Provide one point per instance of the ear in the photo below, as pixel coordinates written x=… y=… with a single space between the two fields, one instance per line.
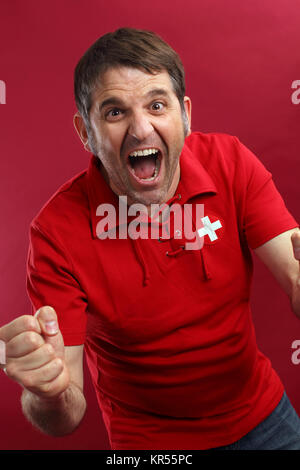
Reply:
x=81 y=131
x=188 y=109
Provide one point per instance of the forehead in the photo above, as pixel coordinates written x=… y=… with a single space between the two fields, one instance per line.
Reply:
x=132 y=83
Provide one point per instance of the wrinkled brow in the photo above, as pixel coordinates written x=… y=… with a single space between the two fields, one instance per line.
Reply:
x=114 y=101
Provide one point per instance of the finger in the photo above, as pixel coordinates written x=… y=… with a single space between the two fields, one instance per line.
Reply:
x=36 y=359
x=296 y=244
x=39 y=380
x=47 y=319
x=19 y=325
x=24 y=344
x=56 y=386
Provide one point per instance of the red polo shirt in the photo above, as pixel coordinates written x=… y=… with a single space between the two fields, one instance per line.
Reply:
x=168 y=332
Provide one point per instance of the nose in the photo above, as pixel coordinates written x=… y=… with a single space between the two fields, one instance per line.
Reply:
x=140 y=126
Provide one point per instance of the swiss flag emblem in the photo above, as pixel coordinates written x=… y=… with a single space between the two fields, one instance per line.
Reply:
x=211 y=228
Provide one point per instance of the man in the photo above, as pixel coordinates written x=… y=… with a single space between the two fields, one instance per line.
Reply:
x=165 y=323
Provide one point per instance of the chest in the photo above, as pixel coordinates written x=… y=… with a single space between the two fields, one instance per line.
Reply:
x=140 y=289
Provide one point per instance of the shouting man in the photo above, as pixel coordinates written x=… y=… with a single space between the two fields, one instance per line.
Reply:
x=163 y=315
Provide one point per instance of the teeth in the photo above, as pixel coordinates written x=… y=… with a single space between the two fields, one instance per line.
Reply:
x=141 y=153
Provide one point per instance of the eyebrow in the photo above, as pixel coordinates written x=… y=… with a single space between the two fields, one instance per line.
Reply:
x=110 y=101
x=157 y=91
x=113 y=100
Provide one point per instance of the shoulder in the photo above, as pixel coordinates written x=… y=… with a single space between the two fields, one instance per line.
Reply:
x=213 y=145
x=220 y=154
x=64 y=208
x=224 y=153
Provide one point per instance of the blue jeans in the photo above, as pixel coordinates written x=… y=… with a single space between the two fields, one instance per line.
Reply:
x=279 y=431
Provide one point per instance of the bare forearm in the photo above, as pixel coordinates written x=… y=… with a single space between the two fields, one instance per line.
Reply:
x=55 y=417
x=295 y=298
x=282 y=255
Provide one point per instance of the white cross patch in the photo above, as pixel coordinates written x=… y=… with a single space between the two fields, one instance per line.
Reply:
x=209 y=228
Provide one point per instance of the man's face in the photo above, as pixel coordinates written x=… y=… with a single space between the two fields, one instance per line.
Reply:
x=137 y=132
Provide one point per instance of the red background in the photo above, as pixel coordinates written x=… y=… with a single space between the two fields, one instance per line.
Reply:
x=241 y=59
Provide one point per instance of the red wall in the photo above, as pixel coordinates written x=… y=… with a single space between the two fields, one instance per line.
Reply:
x=241 y=61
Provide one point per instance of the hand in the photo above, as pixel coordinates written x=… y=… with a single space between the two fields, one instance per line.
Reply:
x=295 y=238
x=35 y=353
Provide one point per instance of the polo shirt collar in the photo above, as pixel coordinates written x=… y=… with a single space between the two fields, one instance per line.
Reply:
x=194 y=181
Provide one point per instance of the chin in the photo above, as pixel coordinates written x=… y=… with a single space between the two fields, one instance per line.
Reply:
x=143 y=199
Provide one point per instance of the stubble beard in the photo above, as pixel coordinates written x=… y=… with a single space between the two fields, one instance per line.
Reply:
x=146 y=197
x=160 y=195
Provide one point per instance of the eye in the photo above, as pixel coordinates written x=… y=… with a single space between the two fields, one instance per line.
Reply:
x=113 y=114
x=157 y=106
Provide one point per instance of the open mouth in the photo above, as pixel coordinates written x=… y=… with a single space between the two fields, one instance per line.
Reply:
x=145 y=164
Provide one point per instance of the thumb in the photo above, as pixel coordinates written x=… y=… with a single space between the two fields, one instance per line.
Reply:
x=48 y=322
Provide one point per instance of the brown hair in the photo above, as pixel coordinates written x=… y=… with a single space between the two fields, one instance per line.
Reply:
x=127 y=47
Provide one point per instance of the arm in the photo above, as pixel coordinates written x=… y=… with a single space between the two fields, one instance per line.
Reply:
x=282 y=255
x=60 y=415
x=50 y=373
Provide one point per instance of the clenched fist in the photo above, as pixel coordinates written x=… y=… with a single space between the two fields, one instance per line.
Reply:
x=35 y=353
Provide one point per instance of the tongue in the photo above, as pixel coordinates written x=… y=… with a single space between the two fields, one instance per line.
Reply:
x=144 y=167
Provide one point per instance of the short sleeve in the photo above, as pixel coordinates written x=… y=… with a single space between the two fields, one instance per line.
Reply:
x=50 y=281
x=264 y=213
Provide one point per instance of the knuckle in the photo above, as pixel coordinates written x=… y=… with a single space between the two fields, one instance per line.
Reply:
x=32 y=339
x=48 y=350
x=11 y=370
x=45 y=387
x=59 y=365
x=52 y=389
x=55 y=367
x=28 y=381
x=27 y=321
x=47 y=382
